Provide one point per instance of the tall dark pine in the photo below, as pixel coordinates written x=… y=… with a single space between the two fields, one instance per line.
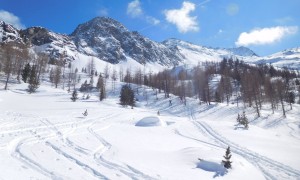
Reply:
x=74 y=95
x=227 y=162
x=33 y=80
x=127 y=96
x=101 y=87
x=26 y=72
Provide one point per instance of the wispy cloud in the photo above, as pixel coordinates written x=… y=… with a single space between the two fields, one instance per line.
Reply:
x=284 y=20
x=265 y=35
x=182 y=18
x=134 y=8
x=232 y=9
x=152 y=20
x=102 y=12
x=11 y=19
x=203 y=3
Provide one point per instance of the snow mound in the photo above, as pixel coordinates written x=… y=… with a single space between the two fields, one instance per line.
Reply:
x=150 y=121
x=210 y=166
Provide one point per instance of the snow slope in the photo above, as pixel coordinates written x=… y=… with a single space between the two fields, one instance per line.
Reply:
x=45 y=136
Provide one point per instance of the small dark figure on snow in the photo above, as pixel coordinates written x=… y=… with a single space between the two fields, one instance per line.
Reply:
x=85 y=113
x=158 y=113
x=170 y=102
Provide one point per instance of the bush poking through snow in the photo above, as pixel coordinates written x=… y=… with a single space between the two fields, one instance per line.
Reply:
x=227 y=156
x=85 y=113
x=243 y=120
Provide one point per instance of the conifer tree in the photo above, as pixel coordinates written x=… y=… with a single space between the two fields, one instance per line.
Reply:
x=26 y=72
x=101 y=87
x=227 y=156
x=127 y=96
x=238 y=119
x=244 y=120
x=57 y=76
x=33 y=80
x=74 y=95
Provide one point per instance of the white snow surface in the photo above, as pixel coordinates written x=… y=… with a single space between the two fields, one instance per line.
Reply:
x=45 y=136
x=150 y=121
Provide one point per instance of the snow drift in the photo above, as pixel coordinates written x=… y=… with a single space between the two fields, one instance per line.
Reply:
x=150 y=121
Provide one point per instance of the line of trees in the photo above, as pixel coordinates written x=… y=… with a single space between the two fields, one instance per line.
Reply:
x=230 y=81
x=15 y=60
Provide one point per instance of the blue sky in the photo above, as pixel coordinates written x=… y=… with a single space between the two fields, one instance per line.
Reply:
x=265 y=26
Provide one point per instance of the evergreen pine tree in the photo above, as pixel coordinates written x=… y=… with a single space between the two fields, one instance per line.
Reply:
x=227 y=156
x=74 y=95
x=244 y=120
x=26 y=72
x=127 y=96
x=238 y=119
x=33 y=80
x=101 y=87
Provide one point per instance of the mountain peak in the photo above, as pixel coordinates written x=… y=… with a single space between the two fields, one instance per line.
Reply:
x=8 y=32
x=110 y=41
x=242 y=51
x=99 y=25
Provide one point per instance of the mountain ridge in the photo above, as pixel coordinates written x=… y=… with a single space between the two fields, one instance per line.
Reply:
x=110 y=41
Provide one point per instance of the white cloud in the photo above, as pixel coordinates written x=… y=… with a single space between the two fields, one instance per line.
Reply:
x=152 y=20
x=232 y=9
x=102 y=12
x=181 y=17
x=265 y=35
x=134 y=8
x=11 y=19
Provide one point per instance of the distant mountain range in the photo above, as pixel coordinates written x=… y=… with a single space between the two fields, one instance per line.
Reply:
x=108 y=40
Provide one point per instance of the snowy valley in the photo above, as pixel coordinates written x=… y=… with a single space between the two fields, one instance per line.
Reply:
x=187 y=102
x=45 y=136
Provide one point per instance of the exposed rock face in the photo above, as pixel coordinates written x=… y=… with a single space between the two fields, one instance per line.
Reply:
x=36 y=35
x=111 y=41
x=8 y=33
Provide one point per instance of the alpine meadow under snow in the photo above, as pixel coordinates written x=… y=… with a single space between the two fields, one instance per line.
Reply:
x=45 y=136
x=107 y=103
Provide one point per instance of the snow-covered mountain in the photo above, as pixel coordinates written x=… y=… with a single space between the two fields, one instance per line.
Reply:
x=289 y=58
x=8 y=33
x=195 y=54
x=108 y=40
x=52 y=43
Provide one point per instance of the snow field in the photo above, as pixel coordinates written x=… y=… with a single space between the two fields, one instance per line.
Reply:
x=45 y=136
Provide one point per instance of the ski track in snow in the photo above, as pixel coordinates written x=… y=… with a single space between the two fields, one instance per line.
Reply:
x=282 y=171
x=98 y=156
x=78 y=162
x=15 y=148
x=58 y=131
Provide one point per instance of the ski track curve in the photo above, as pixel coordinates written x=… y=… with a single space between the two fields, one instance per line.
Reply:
x=131 y=172
x=78 y=162
x=17 y=154
x=40 y=138
x=258 y=160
